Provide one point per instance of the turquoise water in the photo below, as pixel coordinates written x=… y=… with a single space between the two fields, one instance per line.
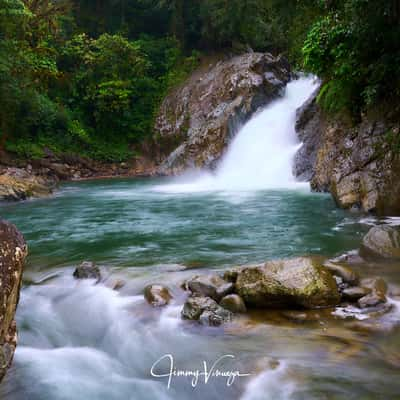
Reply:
x=84 y=341
x=134 y=223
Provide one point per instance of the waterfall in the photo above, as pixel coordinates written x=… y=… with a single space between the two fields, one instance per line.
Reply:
x=261 y=155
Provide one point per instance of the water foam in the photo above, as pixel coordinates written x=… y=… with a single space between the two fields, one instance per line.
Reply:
x=261 y=155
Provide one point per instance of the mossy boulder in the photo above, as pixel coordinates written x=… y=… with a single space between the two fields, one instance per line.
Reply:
x=298 y=282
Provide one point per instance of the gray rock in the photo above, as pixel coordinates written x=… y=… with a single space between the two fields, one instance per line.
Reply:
x=157 y=295
x=378 y=293
x=233 y=303
x=295 y=282
x=196 y=122
x=216 y=317
x=87 y=270
x=355 y=162
x=371 y=300
x=205 y=310
x=381 y=241
x=347 y=274
x=354 y=293
x=210 y=286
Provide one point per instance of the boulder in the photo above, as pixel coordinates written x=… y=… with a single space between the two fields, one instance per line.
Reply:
x=206 y=311
x=297 y=282
x=88 y=270
x=197 y=120
x=355 y=162
x=233 y=303
x=13 y=251
x=382 y=241
x=210 y=286
x=157 y=295
x=19 y=184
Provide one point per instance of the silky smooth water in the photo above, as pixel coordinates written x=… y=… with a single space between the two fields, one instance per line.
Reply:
x=79 y=340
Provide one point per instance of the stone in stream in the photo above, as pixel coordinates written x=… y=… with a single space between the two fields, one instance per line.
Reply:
x=157 y=295
x=347 y=274
x=13 y=251
x=382 y=241
x=205 y=310
x=233 y=303
x=354 y=293
x=377 y=295
x=210 y=286
x=88 y=270
x=297 y=282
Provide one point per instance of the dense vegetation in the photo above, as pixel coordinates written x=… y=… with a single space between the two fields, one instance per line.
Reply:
x=87 y=76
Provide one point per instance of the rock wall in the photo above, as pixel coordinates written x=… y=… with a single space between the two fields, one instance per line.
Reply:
x=355 y=162
x=13 y=251
x=197 y=121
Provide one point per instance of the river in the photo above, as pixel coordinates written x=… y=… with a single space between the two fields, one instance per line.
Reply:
x=82 y=340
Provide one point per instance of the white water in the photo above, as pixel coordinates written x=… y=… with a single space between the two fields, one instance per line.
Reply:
x=261 y=154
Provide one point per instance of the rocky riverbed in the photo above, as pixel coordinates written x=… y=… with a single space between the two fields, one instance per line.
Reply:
x=150 y=251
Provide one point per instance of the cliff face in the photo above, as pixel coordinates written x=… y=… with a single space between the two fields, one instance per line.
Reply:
x=357 y=163
x=13 y=251
x=198 y=119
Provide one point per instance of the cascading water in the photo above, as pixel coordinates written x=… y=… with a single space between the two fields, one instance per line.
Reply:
x=80 y=339
x=261 y=154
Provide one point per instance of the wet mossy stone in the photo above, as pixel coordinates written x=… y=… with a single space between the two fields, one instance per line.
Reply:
x=297 y=282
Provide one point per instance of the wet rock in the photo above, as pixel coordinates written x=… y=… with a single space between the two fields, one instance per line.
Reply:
x=216 y=317
x=19 y=184
x=206 y=311
x=354 y=162
x=354 y=293
x=197 y=121
x=351 y=257
x=308 y=127
x=157 y=295
x=210 y=286
x=233 y=303
x=88 y=270
x=13 y=251
x=378 y=293
x=381 y=241
x=371 y=300
x=118 y=284
x=295 y=282
x=347 y=274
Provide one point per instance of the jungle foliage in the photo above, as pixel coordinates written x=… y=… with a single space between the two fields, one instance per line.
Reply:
x=88 y=76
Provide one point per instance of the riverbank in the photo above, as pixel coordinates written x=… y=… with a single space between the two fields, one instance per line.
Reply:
x=21 y=179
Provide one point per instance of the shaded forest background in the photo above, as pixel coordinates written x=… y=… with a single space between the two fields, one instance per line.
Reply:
x=88 y=76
